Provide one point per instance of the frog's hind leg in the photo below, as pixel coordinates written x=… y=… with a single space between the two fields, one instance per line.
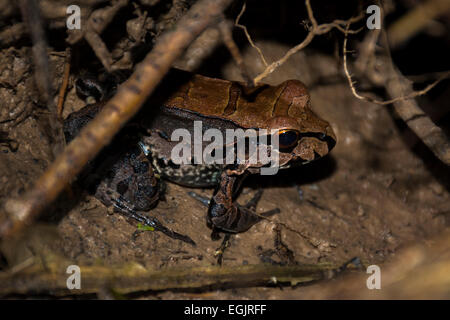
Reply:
x=121 y=206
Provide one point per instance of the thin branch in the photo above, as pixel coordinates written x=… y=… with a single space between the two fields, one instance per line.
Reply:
x=135 y=278
x=400 y=89
x=227 y=37
x=96 y=24
x=311 y=15
x=415 y=20
x=31 y=14
x=274 y=65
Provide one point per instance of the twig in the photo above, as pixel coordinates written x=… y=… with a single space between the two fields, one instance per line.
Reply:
x=225 y=30
x=30 y=12
x=125 y=104
x=400 y=89
x=62 y=90
x=135 y=278
x=416 y=20
x=315 y=30
x=31 y=15
x=97 y=22
x=12 y=34
x=249 y=38
x=419 y=271
x=427 y=76
x=430 y=134
x=412 y=95
x=312 y=241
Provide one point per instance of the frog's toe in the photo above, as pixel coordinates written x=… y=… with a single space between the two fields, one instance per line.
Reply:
x=203 y=200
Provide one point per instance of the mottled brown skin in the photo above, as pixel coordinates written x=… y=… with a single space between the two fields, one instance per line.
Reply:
x=183 y=98
x=286 y=106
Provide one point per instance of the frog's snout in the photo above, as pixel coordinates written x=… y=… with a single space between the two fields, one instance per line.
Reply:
x=329 y=138
x=327 y=142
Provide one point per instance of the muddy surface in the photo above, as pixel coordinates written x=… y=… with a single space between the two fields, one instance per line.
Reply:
x=378 y=190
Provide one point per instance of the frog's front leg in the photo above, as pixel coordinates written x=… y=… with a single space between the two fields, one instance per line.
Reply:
x=227 y=215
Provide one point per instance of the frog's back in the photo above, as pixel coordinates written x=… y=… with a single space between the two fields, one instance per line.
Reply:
x=234 y=101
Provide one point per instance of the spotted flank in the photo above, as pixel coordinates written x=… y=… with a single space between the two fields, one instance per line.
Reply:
x=190 y=175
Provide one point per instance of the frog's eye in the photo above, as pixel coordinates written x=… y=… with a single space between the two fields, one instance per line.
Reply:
x=288 y=138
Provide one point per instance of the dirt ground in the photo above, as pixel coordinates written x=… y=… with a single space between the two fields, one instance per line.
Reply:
x=379 y=190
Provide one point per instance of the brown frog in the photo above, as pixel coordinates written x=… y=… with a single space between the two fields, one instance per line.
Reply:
x=127 y=174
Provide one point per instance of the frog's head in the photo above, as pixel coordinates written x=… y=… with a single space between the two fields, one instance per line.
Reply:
x=299 y=144
x=302 y=135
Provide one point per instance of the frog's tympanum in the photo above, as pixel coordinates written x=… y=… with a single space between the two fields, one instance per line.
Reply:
x=127 y=174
